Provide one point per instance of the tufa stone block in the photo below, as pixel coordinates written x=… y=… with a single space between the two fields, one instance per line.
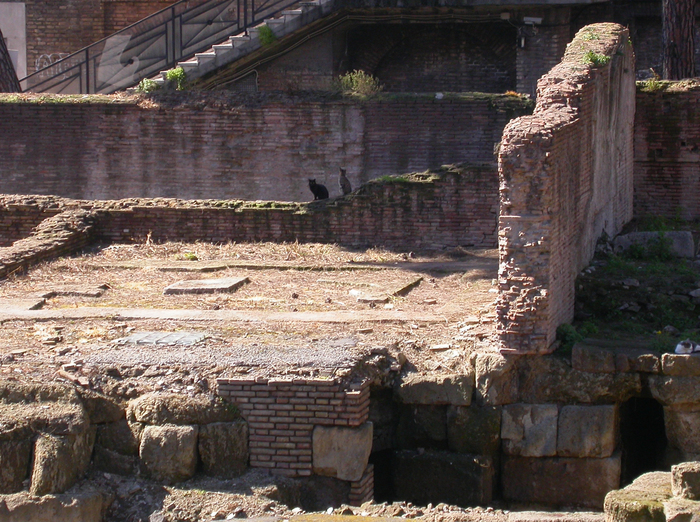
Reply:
x=640 y=501
x=496 y=379
x=342 y=453
x=587 y=431
x=120 y=437
x=684 y=365
x=686 y=480
x=529 y=430
x=59 y=461
x=169 y=453
x=455 y=389
x=683 y=427
x=592 y=359
x=171 y=408
x=223 y=448
x=474 y=429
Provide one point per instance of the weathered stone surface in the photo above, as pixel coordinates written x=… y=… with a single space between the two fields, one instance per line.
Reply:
x=674 y=364
x=14 y=464
x=206 y=286
x=681 y=510
x=496 y=379
x=474 y=429
x=587 y=431
x=421 y=426
x=683 y=427
x=88 y=505
x=680 y=243
x=100 y=408
x=592 y=359
x=674 y=389
x=641 y=501
x=416 y=388
x=113 y=462
x=120 y=437
x=560 y=481
x=170 y=408
x=59 y=461
x=686 y=480
x=551 y=379
x=169 y=453
x=437 y=476
x=342 y=453
x=530 y=430
x=223 y=448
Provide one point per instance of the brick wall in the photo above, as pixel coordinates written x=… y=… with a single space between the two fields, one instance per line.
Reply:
x=566 y=176
x=256 y=148
x=667 y=153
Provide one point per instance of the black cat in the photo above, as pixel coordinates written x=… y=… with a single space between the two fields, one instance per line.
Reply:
x=319 y=191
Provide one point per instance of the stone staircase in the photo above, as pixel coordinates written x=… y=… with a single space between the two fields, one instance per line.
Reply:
x=241 y=45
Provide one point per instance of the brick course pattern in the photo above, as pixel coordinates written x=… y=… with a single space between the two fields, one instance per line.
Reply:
x=254 y=148
x=666 y=154
x=282 y=413
x=566 y=177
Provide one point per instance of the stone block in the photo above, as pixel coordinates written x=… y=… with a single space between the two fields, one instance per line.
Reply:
x=529 y=430
x=100 y=408
x=685 y=365
x=641 y=501
x=169 y=453
x=440 y=476
x=206 y=286
x=551 y=379
x=686 y=480
x=496 y=379
x=119 y=437
x=560 y=481
x=474 y=429
x=455 y=389
x=57 y=418
x=674 y=389
x=223 y=448
x=110 y=461
x=682 y=510
x=342 y=453
x=15 y=456
x=170 y=408
x=683 y=427
x=59 y=461
x=587 y=431
x=679 y=243
x=421 y=426
x=87 y=505
x=592 y=359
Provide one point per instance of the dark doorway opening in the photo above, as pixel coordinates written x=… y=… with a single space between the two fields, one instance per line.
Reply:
x=643 y=438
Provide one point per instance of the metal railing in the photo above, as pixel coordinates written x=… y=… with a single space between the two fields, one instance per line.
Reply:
x=151 y=45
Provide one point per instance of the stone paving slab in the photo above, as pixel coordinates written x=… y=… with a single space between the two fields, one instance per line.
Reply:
x=384 y=296
x=74 y=291
x=21 y=304
x=206 y=286
x=166 y=338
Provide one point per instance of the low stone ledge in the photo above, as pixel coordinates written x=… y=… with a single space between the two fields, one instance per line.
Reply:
x=592 y=359
x=675 y=389
x=682 y=365
x=169 y=408
x=87 y=505
x=496 y=379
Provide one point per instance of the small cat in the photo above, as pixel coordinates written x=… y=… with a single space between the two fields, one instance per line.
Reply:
x=687 y=346
x=344 y=182
x=319 y=191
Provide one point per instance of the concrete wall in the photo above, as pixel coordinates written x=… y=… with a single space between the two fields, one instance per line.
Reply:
x=262 y=148
x=566 y=177
x=12 y=25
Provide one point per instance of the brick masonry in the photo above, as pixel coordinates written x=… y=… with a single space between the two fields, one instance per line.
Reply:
x=566 y=177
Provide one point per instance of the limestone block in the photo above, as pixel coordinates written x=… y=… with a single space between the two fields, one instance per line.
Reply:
x=681 y=510
x=86 y=505
x=675 y=364
x=421 y=426
x=686 y=480
x=342 y=453
x=683 y=427
x=59 y=461
x=440 y=476
x=680 y=243
x=560 y=481
x=100 y=408
x=496 y=379
x=119 y=437
x=223 y=448
x=640 y=501
x=587 y=431
x=674 y=389
x=551 y=379
x=530 y=430
x=415 y=388
x=592 y=359
x=110 y=461
x=169 y=453
x=170 y=408
x=474 y=429
x=14 y=463
x=57 y=418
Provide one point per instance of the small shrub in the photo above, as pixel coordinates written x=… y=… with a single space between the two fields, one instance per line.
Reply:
x=653 y=84
x=266 y=36
x=359 y=82
x=147 y=85
x=568 y=336
x=190 y=256
x=178 y=76
x=596 y=59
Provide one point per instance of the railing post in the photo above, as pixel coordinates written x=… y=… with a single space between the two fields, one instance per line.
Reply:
x=87 y=71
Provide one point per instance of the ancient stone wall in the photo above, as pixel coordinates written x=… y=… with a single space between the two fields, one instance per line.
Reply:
x=566 y=177
x=260 y=148
x=666 y=152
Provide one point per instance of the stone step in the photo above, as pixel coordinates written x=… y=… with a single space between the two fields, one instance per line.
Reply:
x=205 y=57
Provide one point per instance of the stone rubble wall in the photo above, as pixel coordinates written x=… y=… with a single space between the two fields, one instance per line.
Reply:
x=213 y=145
x=565 y=179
